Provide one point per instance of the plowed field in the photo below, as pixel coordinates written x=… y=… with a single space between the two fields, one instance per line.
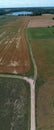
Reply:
x=41 y=21
x=14 y=54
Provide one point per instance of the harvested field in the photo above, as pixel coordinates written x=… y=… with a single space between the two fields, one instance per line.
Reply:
x=14 y=54
x=41 y=21
x=45 y=107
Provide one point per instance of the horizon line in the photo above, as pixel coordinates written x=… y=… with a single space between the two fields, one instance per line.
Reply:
x=30 y=7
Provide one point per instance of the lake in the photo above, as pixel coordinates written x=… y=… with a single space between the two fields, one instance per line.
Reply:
x=20 y=13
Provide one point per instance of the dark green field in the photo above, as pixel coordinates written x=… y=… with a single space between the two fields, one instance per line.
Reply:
x=14 y=104
x=42 y=43
x=40 y=33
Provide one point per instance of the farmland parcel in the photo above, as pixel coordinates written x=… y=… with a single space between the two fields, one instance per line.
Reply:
x=14 y=54
x=42 y=42
x=14 y=104
x=14 y=59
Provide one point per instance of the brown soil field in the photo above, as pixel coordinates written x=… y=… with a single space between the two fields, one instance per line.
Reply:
x=14 y=53
x=41 y=21
x=45 y=107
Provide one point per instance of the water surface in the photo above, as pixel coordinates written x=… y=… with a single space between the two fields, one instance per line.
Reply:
x=20 y=13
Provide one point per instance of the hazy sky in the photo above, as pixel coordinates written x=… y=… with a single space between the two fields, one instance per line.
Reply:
x=26 y=3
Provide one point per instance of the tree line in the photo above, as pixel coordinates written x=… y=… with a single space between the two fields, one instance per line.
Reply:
x=35 y=11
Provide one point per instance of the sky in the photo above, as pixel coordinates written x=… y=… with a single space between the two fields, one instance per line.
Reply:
x=26 y=3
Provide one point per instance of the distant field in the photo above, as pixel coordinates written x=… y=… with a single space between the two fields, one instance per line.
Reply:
x=42 y=43
x=14 y=54
x=44 y=20
x=14 y=104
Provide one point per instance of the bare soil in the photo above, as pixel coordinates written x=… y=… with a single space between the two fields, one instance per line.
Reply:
x=41 y=21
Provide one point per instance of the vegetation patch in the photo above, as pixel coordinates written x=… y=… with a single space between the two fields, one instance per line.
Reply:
x=31 y=71
x=40 y=33
x=14 y=104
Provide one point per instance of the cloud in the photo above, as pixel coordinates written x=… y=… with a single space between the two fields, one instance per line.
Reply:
x=21 y=3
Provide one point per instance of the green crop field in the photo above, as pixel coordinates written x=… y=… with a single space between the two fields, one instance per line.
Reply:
x=40 y=33
x=14 y=104
x=42 y=43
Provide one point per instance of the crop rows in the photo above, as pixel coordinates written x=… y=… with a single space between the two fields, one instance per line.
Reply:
x=14 y=55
